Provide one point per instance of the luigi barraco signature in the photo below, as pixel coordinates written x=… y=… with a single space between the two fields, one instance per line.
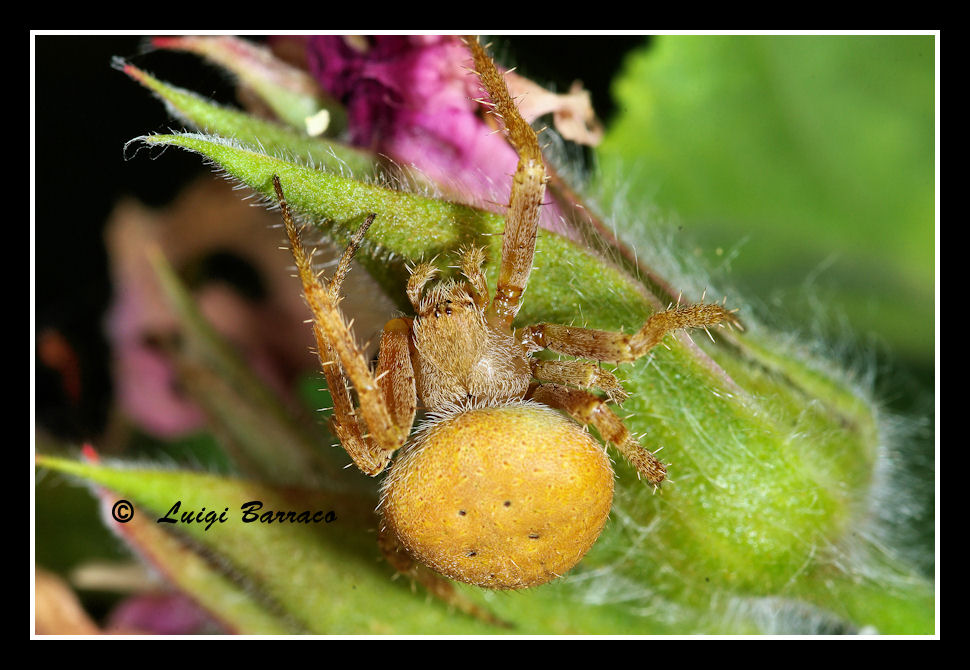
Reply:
x=251 y=513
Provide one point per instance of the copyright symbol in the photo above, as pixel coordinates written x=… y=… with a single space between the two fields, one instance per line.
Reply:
x=122 y=511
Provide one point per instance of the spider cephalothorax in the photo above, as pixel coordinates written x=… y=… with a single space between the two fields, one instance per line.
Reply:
x=463 y=356
x=501 y=486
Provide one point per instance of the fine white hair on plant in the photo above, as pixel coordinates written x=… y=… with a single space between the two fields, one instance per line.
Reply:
x=879 y=520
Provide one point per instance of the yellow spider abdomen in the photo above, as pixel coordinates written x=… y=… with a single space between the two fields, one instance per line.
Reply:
x=503 y=497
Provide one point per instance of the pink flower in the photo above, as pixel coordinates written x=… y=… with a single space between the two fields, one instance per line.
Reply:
x=413 y=99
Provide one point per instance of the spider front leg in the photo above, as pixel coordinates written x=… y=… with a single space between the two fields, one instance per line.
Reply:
x=387 y=399
x=395 y=379
x=528 y=189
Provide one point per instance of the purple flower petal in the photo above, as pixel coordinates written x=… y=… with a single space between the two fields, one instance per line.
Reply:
x=413 y=99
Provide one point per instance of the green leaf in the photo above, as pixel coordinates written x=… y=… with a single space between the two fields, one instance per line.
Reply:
x=271 y=137
x=806 y=161
x=411 y=227
x=268 y=578
x=292 y=94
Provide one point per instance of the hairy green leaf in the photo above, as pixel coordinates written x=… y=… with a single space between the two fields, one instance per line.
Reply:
x=271 y=137
x=292 y=94
x=268 y=577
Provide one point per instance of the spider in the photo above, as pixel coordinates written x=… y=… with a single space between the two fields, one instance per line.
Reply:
x=502 y=487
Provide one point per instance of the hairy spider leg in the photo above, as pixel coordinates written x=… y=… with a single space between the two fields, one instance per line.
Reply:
x=607 y=346
x=579 y=373
x=528 y=190
x=387 y=399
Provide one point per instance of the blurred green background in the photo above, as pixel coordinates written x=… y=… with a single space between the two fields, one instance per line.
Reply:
x=812 y=157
